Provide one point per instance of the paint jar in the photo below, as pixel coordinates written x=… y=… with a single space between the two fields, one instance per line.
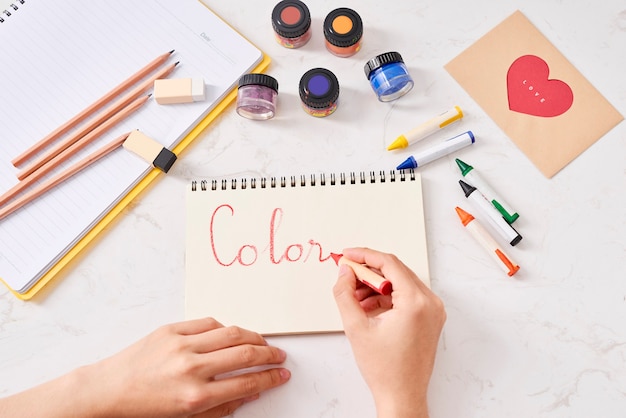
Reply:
x=388 y=76
x=319 y=92
x=256 y=96
x=343 y=30
x=291 y=21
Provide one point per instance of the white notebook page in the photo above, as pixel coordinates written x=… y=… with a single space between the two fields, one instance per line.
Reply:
x=259 y=257
x=58 y=58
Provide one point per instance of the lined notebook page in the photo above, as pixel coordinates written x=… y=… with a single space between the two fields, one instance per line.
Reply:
x=259 y=257
x=58 y=58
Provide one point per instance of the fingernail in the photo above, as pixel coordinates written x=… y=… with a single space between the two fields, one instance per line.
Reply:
x=285 y=374
x=283 y=354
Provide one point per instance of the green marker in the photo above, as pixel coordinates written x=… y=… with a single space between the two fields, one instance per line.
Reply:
x=474 y=178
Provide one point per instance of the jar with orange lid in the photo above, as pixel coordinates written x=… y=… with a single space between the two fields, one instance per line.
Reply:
x=343 y=30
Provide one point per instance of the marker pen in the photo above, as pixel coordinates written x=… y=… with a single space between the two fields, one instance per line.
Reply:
x=444 y=148
x=476 y=180
x=493 y=216
x=486 y=240
x=365 y=275
x=427 y=128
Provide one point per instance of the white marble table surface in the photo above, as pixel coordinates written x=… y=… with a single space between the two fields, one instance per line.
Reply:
x=549 y=343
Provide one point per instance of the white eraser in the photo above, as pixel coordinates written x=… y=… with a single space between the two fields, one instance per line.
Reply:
x=178 y=90
x=197 y=89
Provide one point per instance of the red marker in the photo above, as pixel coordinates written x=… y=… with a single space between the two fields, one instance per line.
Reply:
x=365 y=275
x=487 y=241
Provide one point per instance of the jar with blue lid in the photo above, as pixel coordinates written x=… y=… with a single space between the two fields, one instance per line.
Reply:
x=388 y=76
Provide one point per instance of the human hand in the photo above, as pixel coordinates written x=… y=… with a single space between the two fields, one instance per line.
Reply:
x=172 y=372
x=394 y=338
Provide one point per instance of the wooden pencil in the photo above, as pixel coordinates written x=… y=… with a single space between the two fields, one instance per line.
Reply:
x=61 y=177
x=73 y=149
x=99 y=119
x=54 y=135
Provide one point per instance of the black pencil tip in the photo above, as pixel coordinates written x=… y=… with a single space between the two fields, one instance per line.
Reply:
x=176 y=63
x=172 y=51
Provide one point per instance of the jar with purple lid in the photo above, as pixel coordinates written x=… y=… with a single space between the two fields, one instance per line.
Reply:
x=257 y=96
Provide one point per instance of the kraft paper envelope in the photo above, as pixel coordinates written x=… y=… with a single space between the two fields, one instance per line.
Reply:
x=534 y=94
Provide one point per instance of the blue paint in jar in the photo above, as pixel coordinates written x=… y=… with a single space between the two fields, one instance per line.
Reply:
x=388 y=76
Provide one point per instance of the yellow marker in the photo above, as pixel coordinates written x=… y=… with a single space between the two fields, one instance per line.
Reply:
x=427 y=128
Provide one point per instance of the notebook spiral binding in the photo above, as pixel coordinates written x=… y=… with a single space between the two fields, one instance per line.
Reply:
x=304 y=181
x=10 y=9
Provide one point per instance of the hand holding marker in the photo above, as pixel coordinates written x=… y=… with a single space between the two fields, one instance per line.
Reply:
x=365 y=275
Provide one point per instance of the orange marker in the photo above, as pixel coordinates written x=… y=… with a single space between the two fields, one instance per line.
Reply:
x=365 y=275
x=482 y=236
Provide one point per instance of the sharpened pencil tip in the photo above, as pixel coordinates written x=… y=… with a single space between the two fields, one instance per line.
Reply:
x=172 y=51
x=176 y=63
x=149 y=95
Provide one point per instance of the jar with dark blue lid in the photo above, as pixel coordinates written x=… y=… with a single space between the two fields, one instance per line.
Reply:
x=319 y=92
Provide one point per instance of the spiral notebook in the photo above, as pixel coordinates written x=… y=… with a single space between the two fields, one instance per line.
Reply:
x=258 y=250
x=8 y=7
x=58 y=58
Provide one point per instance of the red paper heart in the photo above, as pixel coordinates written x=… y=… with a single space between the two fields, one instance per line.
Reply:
x=531 y=92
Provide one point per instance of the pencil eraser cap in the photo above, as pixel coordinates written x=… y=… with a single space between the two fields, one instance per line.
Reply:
x=178 y=90
x=150 y=150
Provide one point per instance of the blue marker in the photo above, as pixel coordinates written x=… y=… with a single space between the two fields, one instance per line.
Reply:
x=446 y=147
